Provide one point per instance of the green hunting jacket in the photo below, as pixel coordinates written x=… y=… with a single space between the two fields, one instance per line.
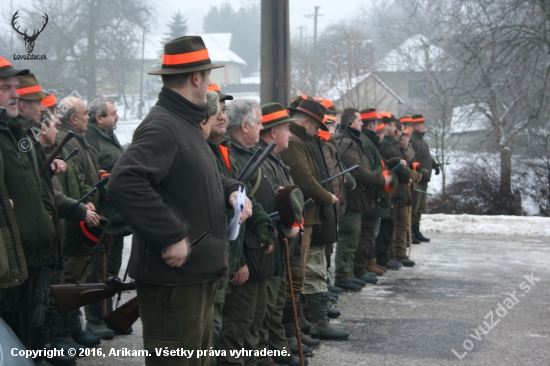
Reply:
x=106 y=149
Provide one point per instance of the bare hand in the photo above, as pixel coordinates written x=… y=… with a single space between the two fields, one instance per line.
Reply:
x=11 y=202
x=419 y=179
x=58 y=166
x=334 y=199
x=176 y=254
x=91 y=219
x=293 y=232
x=403 y=162
x=388 y=179
x=90 y=206
x=241 y=276
x=269 y=249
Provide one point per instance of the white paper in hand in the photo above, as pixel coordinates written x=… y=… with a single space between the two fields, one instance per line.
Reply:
x=233 y=228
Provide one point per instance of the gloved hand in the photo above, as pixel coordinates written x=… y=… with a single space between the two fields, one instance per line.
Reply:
x=436 y=168
x=267 y=233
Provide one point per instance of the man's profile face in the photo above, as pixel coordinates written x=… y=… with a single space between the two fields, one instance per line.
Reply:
x=109 y=122
x=9 y=95
x=356 y=123
x=419 y=127
x=312 y=127
x=33 y=109
x=204 y=83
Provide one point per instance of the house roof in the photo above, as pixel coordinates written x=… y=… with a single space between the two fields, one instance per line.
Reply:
x=469 y=118
x=344 y=86
x=412 y=55
x=217 y=44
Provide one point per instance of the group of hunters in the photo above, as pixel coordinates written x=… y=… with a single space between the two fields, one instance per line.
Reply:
x=357 y=178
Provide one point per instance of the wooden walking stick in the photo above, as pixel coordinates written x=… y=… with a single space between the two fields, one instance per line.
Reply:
x=294 y=309
x=410 y=231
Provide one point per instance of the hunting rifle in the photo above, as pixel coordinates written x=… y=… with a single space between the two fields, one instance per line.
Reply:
x=251 y=167
x=71 y=297
x=56 y=151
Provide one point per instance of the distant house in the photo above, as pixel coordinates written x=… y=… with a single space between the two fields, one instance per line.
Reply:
x=397 y=83
x=218 y=49
x=470 y=129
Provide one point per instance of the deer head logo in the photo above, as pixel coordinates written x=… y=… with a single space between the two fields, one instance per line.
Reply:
x=29 y=40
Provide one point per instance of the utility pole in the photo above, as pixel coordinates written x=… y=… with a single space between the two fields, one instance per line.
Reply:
x=141 y=103
x=275 y=52
x=301 y=28
x=315 y=26
x=314 y=49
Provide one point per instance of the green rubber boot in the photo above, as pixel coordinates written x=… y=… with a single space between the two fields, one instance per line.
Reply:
x=319 y=323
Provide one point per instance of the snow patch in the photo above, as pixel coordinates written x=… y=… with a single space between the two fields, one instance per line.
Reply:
x=486 y=225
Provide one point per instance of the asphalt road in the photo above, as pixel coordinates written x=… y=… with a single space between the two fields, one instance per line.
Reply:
x=419 y=315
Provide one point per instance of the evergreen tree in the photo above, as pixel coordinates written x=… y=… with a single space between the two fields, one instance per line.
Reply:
x=176 y=28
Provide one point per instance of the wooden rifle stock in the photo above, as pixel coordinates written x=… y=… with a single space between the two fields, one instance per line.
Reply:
x=71 y=297
x=54 y=153
x=122 y=318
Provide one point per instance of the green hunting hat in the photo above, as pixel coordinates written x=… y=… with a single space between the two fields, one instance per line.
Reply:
x=417 y=118
x=183 y=55
x=29 y=88
x=289 y=203
x=7 y=70
x=313 y=109
x=274 y=114
x=368 y=115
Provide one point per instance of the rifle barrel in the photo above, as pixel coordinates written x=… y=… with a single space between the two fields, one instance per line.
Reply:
x=56 y=151
x=339 y=174
x=247 y=166
x=253 y=167
x=344 y=153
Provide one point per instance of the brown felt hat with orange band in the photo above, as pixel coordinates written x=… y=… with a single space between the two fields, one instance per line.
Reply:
x=314 y=110
x=274 y=114
x=29 y=89
x=183 y=55
x=368 y=115
x=406 y=119
x=417 y=118
x=7 y=70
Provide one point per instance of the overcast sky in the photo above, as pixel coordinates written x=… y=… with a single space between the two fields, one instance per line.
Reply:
x=331 y=11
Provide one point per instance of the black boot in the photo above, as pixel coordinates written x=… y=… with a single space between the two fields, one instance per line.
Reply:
x=419 y=234
x=319 y=324
x=414 y=233
x=79 y=335
x=305 y=325
x=48 y=342
x=95 y=324
x=62 y=335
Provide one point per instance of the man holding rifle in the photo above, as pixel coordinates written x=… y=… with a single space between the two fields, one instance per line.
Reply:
x=359 y=200
x=167 y=187
x=32 y=214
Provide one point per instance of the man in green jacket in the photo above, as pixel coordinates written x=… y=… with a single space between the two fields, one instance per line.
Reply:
x=33 y=212
x=359 y=200
x=427 y=163
x=105 y=147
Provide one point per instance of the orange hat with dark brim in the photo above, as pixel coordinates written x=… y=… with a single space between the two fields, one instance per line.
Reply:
x=7 y=70
x=50 y=101
x=368 y=115
x=29 y=89
x=223 y=97
x=183 y=55
x=406 y=119
x=331 y=108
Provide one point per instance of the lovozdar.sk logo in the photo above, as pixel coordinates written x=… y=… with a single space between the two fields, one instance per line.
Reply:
x=28 y=39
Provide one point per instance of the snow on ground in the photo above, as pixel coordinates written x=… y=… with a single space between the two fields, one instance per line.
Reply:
x=125 y=130
x=487 y=225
